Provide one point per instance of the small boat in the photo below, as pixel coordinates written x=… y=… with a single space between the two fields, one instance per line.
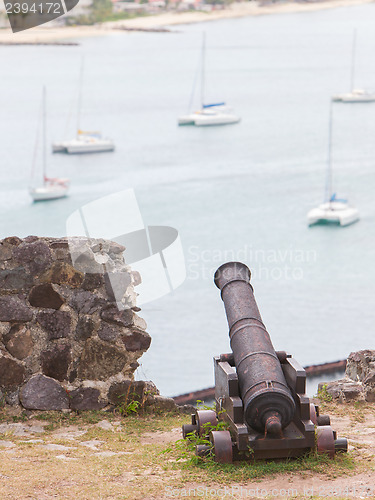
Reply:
x=209 y=114
x=334 y=210
x=52 y=188
x=355 y=94
x=84 y=142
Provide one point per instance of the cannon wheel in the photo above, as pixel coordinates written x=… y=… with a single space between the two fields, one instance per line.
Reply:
x=204 y=419
x=188 y=429
x=222 y=446
x=325 y=440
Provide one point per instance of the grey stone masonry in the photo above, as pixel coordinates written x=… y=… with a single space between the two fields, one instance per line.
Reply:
x=359 y=381
x=66 y=339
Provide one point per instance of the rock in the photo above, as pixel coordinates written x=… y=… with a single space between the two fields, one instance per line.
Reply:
x=59 y=244
x=92 y=281
x=85 y=262
x=130 y=390
x=136 y=340
x=105 y=425
x=85 y=328
x=360 y=364
x=15 y=280
x=86 y=398
x=5 y=252
x=36 y=256
x=136 y=278
x=55 y=447
x=56 y=323
x=108 y=333
x=62 y=273
x=12 y=373
x=6 y=444
x=12 y=240
x=19 y=341
x=12 y=398
x=111 y=314
x=55 y=361
x=43 y=393
x=86 y=302
x=45 y=296
x=369 y=394
x=343 y=390
x=14 y=309
x=100 y=361
x=161 y=403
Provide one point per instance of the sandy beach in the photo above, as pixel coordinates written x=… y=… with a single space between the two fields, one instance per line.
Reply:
x=47 y=35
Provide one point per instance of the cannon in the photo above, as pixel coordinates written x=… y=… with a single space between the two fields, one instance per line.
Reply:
x=259 y=393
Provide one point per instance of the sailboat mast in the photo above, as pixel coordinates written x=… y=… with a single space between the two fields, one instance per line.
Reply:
x=203 y=68
x=44 y=136
x=329 y=156
x=353 y=60
x=80 y=96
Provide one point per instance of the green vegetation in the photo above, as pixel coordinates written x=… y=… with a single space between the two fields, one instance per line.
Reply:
x=101 y=11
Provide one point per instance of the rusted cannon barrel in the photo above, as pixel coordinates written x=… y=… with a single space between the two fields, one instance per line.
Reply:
x=268 y=403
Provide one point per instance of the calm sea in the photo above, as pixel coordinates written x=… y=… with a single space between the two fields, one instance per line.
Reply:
x=236 y=192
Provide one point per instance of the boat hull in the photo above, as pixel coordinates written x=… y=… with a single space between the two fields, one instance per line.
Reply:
x=333 y=213
x=41 y=194
x=83 y=147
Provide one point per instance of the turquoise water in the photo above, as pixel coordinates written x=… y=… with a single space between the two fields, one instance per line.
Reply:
x=236 y=192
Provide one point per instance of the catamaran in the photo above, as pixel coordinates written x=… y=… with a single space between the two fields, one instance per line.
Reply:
x=52 y=188
x=355 y=95
x=209 y=114
x=334 y=210
x=84 y=142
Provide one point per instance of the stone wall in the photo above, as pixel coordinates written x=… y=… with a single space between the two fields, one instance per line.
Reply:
x=67 y=339
x=359 y=381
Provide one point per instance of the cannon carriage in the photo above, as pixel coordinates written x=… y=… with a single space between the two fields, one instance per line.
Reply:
x=259 y=393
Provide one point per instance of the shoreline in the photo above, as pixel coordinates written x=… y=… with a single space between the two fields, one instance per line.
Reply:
x=46 y=35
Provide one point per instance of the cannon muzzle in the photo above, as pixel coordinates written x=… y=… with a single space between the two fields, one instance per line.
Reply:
x=267 y=400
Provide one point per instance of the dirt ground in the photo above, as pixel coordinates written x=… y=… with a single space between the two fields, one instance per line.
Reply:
x=104 y=456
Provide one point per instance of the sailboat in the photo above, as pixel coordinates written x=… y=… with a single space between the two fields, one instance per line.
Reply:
x=52 y=188
x=334 y=210
x=84 y=142
x=209 y=114
x=355 y=95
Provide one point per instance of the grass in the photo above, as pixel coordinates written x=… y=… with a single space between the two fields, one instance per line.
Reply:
x=150 y=457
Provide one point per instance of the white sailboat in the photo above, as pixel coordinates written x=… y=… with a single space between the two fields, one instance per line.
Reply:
x=52 y=188
x=209 y=114
x=334 y=210
x=84 y=142
x=355 y=95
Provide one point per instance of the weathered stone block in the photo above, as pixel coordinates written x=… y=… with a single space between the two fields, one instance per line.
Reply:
x=112 y=314
x=56 y=323
x=100 y=361
x=5 y=252
x=86 y=398
x=12 y=373
x=92 y=281
x=45 y=296
x=62 y=273
x=86 y=302
x=360 y=364
x=56 y=361
x=136 y=340
x=36 y=256
x=343 y=390
x=43 y=393
x=14 y=309
x=108 y=333
x=131 y=390
x=116 y=285
x=16 y=279
x=85 y=328
x=19 y=342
